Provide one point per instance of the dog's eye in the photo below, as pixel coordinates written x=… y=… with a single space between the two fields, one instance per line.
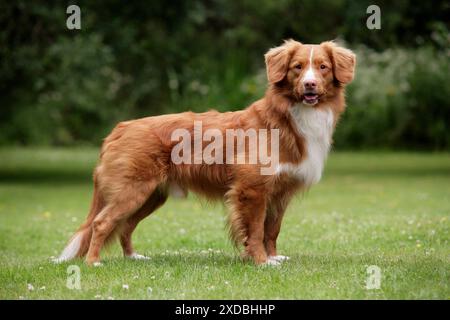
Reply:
x=299 y=66
x=322 y=66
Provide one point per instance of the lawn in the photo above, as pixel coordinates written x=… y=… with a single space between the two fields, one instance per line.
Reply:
x=390 y=210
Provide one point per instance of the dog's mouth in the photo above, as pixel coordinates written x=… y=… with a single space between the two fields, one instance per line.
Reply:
x=310 y=98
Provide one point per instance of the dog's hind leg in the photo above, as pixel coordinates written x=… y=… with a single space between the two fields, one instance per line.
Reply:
x=122 y=204
x=79 y=243
x=156 y=200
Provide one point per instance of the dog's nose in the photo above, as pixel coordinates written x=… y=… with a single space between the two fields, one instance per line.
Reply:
x=310 y=84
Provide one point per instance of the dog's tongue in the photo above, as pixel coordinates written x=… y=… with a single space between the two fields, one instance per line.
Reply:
x=310 y=97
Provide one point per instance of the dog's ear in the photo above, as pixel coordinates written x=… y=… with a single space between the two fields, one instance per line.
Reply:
x=277 y=60
x=344 y=62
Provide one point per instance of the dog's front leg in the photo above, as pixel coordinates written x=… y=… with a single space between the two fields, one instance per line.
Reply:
x=272 y=230
x=255 y=215
x=250 y=210
x=275 y=212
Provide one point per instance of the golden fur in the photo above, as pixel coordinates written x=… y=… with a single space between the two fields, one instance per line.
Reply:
x=135 y=171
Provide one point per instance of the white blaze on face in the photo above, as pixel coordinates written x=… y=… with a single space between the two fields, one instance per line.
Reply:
x=309 y=75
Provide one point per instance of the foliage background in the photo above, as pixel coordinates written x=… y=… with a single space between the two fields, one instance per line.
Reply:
x=133 y=59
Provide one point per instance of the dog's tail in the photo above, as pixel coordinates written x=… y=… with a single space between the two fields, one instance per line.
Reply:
x=79 y=243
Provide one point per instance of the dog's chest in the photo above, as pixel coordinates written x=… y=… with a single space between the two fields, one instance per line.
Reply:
x=316 y=127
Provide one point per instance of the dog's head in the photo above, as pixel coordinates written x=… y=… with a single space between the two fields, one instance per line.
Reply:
x=310 y=73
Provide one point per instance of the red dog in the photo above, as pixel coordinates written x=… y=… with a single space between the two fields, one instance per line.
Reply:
x=136 y=171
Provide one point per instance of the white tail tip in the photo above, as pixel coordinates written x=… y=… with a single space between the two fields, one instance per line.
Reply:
x=71 y=250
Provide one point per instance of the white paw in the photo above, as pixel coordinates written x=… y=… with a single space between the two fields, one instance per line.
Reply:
x=272 y=262
x=137 y=256
x=97 y=264
x=279 y=258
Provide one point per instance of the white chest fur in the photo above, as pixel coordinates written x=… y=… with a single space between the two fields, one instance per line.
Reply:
x=316 y=126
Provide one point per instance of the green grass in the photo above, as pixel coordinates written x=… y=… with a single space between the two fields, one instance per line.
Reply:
x=386 y=209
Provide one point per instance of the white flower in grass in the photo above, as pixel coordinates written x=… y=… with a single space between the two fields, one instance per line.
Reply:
x=149 y=290
x=42 y=288
x=227 y=283
x=30 y=287
x=136 y=277
x=153 y=277
x=125 y=287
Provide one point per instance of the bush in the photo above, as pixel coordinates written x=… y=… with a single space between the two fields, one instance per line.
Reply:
x=400 y=98
x=62 y=87
x=75 y=99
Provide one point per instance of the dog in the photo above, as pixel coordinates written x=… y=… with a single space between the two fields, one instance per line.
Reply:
x=136 y=173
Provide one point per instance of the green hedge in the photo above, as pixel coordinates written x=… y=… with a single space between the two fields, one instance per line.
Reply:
x=61 y=87
x=399 y=99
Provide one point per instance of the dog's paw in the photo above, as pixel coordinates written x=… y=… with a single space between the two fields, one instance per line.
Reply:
x=97 y=264
x=271 y=263
x=137 y=256
x=279 y=258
